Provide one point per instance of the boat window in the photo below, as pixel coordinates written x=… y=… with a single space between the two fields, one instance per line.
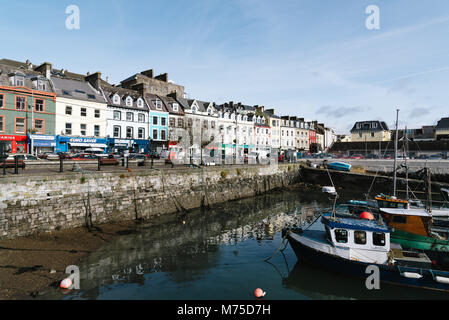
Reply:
x=399 y=219
x=341 y=236
x=379 y=238
x=360 y=237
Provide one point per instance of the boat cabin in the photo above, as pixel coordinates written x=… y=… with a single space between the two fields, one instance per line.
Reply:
x=416 y=221
x=384 y=201
x=358 y=239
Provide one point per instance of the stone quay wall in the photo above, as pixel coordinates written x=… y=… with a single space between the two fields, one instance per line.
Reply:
x=40 y=203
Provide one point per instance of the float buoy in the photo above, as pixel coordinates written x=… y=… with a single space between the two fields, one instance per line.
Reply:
x=66 y=283
x=259 y=293
x=366 y=215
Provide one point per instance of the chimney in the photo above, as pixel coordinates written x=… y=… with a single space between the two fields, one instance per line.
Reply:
x=45 y=69
x=29 y=65
x=231 y=103
x=148 y=73
x=94 y=79
x=173 y=95
x=107 y=79
x=88 y=73
x=162 y=77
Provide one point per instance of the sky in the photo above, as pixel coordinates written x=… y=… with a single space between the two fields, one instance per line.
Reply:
x=315 y=59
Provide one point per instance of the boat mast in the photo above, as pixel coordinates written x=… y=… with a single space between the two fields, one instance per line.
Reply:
x=406 y=168
x=395 y=153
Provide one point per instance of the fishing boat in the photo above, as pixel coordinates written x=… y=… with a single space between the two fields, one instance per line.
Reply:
x=350 y=245
x=340 y=166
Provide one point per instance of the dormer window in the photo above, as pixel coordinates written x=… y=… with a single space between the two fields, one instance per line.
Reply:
x=245 y=118
x=209 y=111
x=175 y=107
x=158 y=104
x=374 y=125
x=116 y=99
x=194 y=109
x=140 y=103
x=233 y=116
x=19 y=81
x=129 y=102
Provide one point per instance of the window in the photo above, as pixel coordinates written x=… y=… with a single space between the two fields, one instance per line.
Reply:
x=2 y=100
x=20 y=81
x=129 y=102
x=83 y=129
x=117 y=132
x=68 y=128
x=97 y=113
x=158 y=104
x=155 y=120
x=209 y=111
x=83 y=112
x=140 y=103
x=154 y=134
x=41 y=85
x=175 y=107
x=39 y=126
x=194 y=109
x=163 y=135
x=171 y=122
x=91 y=96
x=212 y=124
x=2 y=123
x=205 y=124
x=141 y=117
x=400 y=219
x=20 y=103
x=96 y=130
x=20 y=125
x=180 y=123
x=116 y=99
x=117 y=115
x=359 y=237
x=341 y=235
x=360 y=134
x=374 y=125
x=163 y=121
x=129 y=132
x=379 y=239
x=129 y=116
x=141 y=133
x=68 y=110
x=189 y=122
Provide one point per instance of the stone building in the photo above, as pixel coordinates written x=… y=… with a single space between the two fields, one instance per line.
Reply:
x=367 y=131
x=145 y=82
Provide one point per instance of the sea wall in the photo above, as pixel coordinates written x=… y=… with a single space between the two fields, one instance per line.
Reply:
x=39 y=203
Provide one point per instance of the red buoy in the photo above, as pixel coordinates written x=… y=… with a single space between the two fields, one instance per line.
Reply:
x=366 y=215
x=259 y=293
x=66 y=283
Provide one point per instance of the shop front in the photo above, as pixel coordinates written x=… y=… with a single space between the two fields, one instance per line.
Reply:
x=132 y=145
x=38 y=143
x=79 y=144
x=15 y=144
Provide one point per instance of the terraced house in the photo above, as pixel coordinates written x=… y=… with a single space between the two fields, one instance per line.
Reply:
x=27 y=108
x=158 y=114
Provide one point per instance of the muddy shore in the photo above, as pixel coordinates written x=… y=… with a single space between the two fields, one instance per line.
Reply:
x=31 y=264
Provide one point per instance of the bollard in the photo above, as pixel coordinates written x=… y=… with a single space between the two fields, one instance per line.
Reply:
x=152 y=159
x=123 y=161
x=127 y=162
x=16 y=165
x=99 y=164
x=4 y=166
x=61 y=168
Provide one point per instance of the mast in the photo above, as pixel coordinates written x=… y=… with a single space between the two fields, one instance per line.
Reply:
x=395 y=153
x=406 y=168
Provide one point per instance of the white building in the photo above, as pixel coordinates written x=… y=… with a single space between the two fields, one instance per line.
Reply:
x=80 y=109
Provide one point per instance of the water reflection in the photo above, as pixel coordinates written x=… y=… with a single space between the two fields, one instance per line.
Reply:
x=217 y=254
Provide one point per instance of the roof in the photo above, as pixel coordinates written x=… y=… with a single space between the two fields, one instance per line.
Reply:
x=75 y=89
x=407 y=212
x=169 y=101
x=149 y=97
x=354 y=224
x=381 y=126
x=443 y=124
x=109 y=92
x=29 y=75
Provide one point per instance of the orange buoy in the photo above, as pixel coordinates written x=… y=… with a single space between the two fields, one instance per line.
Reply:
x=366 y=215
x=66 y=283
x=259 y=293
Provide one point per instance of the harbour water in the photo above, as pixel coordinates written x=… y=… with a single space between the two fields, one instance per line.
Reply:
x=219 y=253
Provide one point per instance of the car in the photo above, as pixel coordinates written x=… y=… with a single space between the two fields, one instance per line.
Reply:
x=436 y=157
x=84 y=156
x=153 y=155
x=372 y=156
x=357 y=156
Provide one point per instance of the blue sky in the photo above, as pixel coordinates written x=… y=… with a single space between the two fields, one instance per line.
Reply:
x=310 y=58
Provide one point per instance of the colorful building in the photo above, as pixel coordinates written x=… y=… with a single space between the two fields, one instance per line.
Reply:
x=27 y=106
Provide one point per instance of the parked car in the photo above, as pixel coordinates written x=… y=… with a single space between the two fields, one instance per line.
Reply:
x=84 y=156
x=153 y=155
x=436 y=157
x=357 y=156
x=372 y=156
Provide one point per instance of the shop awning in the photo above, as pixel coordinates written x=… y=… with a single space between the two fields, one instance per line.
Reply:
x=88 y=145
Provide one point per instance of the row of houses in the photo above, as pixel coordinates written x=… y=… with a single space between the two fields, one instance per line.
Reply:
x=378 y=131
x=43 y=109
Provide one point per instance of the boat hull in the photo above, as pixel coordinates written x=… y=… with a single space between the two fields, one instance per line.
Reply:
x=387 y=274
